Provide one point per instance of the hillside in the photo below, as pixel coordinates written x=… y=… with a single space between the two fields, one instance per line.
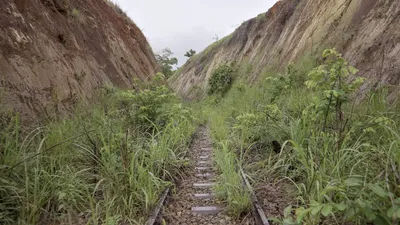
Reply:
x=283 y=136
x=54 y=53
x=367 y=32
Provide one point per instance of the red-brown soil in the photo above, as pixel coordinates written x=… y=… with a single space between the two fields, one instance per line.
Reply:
x=54 y=53
x=367 y=32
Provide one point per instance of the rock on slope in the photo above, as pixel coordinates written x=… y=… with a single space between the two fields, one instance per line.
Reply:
x=54 y=53
x=367 y=32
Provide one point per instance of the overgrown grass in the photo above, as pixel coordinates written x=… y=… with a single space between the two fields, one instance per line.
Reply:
x=229 y=186
x=107 y=164
x=341 y=155
x=215 y=45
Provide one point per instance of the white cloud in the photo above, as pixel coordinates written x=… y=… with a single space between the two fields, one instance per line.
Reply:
x=185 y=24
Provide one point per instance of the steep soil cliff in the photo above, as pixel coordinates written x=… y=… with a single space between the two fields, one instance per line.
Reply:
x=54 y=53
x=367 y=32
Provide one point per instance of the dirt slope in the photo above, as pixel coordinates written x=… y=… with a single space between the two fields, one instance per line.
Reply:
x=367 y=32
x=54 y=53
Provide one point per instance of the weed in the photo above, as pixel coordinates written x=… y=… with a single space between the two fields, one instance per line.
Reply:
x=108 y=164
x=229 y=186
x=341 y=156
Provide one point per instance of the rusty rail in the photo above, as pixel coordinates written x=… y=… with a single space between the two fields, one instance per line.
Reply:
x=260 y=217
x=153 y=217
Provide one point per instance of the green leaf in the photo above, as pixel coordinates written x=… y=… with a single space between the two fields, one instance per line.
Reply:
x=353 y=70
x=301 y=213
x=378 y=190
x=288 y=222
x=369 y=214
x=398 y=213
x=60 y=207
x=316 y=210
x=349 y=214
x=287 y=211
x=328 y=52
x=361 y=203
x=340 y=60
x=353 y=182
x=310 y=84
x=61 y=195
x=359 y=80
x=340 y=206
x=390 y=212
x=326 y=210
x=379 y=220
x=314 y=203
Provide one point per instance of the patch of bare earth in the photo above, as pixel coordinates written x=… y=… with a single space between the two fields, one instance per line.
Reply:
x=273 y=194
x=274 y=198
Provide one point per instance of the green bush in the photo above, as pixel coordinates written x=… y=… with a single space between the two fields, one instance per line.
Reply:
x=109 y=162
x=340 y=153
x=260 y=127
x=221 y=80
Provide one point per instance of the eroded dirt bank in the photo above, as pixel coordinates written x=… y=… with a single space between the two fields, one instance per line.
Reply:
x=54 y=53
x=367 y=32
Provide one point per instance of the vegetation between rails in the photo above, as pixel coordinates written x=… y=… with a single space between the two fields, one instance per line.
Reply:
x=229 y=183
x=107 y=164
x=305 y=126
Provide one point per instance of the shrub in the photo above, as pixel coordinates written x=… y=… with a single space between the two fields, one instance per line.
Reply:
x=261 y=127
x=341 y=155
x=153 y=107
x=221 y=80
x=100 y=162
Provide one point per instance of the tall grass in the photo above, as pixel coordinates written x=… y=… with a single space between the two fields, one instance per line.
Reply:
x=230 y=184
x=354 y=182
x=106 y=164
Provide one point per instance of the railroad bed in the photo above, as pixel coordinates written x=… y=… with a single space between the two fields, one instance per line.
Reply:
x=193 y=201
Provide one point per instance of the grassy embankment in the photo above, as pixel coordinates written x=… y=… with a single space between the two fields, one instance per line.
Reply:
x=338 y=146
x=106 y=164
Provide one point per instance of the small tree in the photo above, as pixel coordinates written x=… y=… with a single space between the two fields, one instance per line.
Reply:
x=166 y=62
x=190 y=53
x=331 y=81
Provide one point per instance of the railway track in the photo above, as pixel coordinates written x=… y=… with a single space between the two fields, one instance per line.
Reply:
x=193 y=202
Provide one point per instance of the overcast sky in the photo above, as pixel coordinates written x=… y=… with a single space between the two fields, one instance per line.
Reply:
x=185 y=24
